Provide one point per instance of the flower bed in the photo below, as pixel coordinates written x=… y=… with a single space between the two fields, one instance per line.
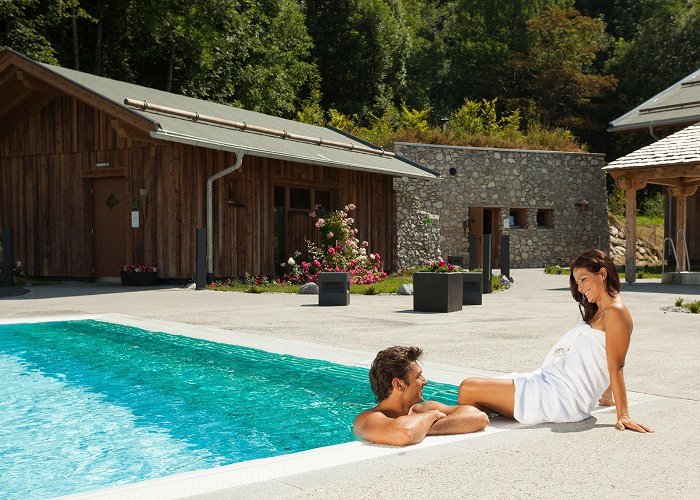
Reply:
x=138 y=275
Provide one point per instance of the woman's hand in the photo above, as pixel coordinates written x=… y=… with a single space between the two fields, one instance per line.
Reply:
x=627 y=423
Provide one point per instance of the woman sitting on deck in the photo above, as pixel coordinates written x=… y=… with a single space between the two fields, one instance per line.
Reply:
x=584 y=368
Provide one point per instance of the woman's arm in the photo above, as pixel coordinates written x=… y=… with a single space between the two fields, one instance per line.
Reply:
x=618 y=332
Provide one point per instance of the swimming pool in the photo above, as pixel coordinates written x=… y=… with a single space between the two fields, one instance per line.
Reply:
x=89 y=404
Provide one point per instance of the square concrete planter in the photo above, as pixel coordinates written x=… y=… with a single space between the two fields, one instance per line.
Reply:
x=437 y=292
x=334 y=289
x=471 y=289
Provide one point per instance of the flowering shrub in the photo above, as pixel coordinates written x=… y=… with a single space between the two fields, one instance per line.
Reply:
x=138 y=268
x=339 y=251
x=439 y=266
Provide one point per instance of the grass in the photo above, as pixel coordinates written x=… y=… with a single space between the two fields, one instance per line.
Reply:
x=693 y=307
x=390 y=285
x=642 y=273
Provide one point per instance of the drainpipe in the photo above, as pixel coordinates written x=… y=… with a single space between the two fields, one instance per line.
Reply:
x=652 y=133
x=210 y=212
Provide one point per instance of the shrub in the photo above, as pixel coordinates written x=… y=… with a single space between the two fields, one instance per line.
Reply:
x=679 y=301
x=694 y=307
x=339 y=251
x=555 y=269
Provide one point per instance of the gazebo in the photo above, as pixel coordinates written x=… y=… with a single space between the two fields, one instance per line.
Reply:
x=674 y=162
x=672 y=118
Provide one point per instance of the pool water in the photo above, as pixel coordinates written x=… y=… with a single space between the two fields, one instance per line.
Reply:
x=88 y=404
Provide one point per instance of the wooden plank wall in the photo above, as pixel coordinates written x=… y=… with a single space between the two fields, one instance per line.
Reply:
x=46 y=167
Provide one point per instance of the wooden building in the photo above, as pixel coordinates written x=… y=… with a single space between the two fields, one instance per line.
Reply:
x=89 y=183
x=672 y=118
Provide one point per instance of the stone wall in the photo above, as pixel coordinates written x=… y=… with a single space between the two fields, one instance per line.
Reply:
x=565 y=191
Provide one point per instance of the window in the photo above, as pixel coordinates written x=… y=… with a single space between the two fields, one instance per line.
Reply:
x=300 y=198
x=518 y=217
x=544 y=218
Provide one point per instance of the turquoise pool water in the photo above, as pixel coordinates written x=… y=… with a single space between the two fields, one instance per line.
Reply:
x=87 y=404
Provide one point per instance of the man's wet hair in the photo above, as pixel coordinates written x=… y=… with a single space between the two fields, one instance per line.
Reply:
x=392 y=362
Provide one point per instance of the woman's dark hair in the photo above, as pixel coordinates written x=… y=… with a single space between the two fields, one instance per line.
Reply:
x=593 y=260
x=393 y=362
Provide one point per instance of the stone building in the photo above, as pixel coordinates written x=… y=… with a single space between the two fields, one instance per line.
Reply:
x=553 y=205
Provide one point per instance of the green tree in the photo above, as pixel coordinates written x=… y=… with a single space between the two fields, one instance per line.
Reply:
x=559 y=71
x=361 y=47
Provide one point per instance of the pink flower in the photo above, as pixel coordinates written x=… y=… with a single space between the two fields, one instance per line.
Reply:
x=312 y=214
x=319 y=222
x=365 y=244
x=376 y=256
x=305 y=265
x=330 y=234
x=316 y=263
x=351 y=206
x=331 y=250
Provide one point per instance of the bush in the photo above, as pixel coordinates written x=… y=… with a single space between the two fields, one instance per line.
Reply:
x=679 y=301
x=340 y=251
x=555 y=269
x=694 y=307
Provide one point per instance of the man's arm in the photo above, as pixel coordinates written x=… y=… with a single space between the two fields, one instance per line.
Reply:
x=373 y=425
x=460 y=419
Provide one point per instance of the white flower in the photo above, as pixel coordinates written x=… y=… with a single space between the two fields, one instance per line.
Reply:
x=297 y=253
x=291 y=261
x=282 y=264
x=371 y=256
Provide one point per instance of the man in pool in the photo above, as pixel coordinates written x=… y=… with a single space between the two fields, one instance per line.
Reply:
x=402 y=417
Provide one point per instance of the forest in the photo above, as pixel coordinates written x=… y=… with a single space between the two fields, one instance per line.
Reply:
x=555 y=70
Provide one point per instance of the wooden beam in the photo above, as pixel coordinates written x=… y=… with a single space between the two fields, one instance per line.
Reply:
x=126 y=131
x=66 y=86
x=22 y=110
x=630 y=235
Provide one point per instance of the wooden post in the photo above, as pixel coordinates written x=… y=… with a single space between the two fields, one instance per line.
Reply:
x=630 y=235
x=681 y=193
x=681 y=204
x=631 y=185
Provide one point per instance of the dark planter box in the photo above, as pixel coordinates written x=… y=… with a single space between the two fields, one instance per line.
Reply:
x=139 y=279
x=437 y=292
x=334 y=289
x=471 y=289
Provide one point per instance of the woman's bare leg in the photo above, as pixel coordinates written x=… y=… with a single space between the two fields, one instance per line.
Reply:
x=486 y=394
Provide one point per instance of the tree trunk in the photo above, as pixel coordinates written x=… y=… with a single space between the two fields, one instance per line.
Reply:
x=98 y=38
x=171 y=65
x=76 y=48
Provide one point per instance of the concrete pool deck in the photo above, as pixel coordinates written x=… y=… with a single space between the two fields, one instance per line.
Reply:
x=511 y=331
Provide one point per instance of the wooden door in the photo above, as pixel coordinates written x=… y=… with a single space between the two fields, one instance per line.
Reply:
x=109 y=218
x=476 y=228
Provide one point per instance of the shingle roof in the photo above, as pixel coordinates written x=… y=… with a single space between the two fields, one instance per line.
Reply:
x=679 y=149
x=678 y=105
x=183 y=130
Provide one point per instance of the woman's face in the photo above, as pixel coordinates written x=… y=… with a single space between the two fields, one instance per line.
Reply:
x=591 y=284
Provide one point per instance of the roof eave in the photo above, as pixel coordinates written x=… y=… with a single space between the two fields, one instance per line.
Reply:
x=277 y=155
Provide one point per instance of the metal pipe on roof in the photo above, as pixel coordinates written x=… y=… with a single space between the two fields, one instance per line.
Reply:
x=210 y=212
x=283 y=134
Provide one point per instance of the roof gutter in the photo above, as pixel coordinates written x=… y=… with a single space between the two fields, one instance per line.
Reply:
x=210 y=211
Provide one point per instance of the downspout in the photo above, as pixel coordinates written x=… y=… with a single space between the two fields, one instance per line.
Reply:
x=652 y=133
x=210 y=211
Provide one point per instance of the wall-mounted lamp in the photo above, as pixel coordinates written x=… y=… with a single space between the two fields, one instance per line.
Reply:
x=102 y=164
x=582 y=204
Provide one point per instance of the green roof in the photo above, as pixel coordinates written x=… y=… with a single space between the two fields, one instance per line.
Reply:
x=172 y=128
